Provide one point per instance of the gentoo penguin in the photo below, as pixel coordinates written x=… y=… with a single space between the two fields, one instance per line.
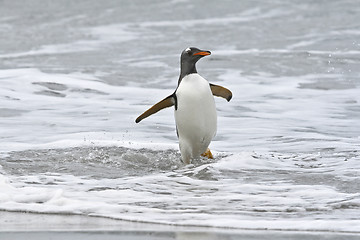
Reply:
x=195 y=111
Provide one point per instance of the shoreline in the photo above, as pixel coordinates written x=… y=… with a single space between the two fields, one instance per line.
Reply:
x=20 y=225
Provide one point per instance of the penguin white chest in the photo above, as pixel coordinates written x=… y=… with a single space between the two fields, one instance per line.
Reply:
x=195 y=117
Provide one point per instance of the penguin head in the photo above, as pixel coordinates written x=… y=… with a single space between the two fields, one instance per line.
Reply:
x=192 y=55
x=189 y=57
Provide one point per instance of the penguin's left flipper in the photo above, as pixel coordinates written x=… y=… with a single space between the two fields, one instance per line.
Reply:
x=220 y=91
x=166 y=102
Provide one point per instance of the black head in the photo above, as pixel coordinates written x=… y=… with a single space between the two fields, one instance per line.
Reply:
x=189 y=57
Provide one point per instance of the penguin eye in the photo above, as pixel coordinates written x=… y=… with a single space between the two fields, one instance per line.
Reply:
x=188 y=51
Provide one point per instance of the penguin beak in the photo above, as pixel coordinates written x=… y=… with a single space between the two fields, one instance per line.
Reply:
x=203 y=53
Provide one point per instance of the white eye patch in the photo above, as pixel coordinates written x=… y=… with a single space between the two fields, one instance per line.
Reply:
x=187 y=50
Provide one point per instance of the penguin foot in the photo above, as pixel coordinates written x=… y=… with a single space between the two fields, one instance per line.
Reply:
x=207 y=154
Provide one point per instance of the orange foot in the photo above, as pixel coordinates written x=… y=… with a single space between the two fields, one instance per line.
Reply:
x=207 y=154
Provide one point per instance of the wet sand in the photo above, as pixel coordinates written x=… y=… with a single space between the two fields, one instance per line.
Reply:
x=31 y=226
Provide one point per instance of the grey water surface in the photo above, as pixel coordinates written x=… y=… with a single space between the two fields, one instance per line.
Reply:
x=74 y=75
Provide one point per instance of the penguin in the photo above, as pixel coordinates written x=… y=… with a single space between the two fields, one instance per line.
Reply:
x=195 y=110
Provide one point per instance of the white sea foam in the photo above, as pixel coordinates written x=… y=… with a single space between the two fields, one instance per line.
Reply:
x=220 y=194
x=98 y=37
x=86 y=101
x=174 y=198
x=246 y=16
x=148 y=64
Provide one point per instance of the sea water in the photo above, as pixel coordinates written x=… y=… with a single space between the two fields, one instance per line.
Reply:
x=74 y=75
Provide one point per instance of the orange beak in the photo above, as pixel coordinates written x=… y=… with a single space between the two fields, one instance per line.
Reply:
x=203 y=53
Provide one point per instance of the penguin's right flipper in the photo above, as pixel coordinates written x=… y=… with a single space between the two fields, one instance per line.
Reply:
x=166 y=102
x=220 y=91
